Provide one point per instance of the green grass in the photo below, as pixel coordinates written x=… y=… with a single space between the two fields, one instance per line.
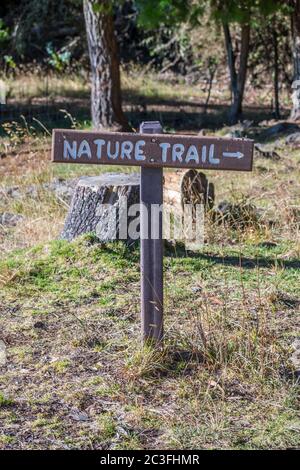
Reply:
x=5 y=401
x=69 y=271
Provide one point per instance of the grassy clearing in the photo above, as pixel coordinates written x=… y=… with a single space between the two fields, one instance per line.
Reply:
x=77 y=376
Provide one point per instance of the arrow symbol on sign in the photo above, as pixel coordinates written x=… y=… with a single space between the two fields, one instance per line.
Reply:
x=233 y=154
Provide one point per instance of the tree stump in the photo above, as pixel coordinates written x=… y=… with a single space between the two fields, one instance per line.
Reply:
x=96 y=207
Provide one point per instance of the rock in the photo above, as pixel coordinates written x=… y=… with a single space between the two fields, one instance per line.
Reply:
x=11 y=191
x=187 y=187
x=284 y=300
x=282 y=128
x=296 y=344
x=10 y=220
x=3 y=357
x=239 y=130
x=63 y=189
x=79 y=416
x=196 y=289
x=295 y=360
x=294 y=427
x=293 y=139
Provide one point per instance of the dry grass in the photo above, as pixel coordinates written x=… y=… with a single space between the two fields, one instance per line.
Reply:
x=31 y=87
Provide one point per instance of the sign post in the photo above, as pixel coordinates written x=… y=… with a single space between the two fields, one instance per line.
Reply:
x=152 y=151
x=151 y=246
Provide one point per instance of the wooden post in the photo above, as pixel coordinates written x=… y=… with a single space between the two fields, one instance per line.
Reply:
x=151 y=247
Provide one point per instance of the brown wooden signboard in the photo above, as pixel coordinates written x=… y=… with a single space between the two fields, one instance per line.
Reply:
x=156 y=150
x=152 y=151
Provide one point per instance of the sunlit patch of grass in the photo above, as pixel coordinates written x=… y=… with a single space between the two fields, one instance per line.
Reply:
x=49 y=424
x=6 y=440
x=279 y=432
x=109 y=390
x=131 y=441
x=60 y=366
x=5 y=401
x=146 y=361
x=107 y=426
x=31 y=86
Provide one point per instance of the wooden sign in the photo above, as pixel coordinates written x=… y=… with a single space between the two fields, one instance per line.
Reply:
x=155 y=150
x=152 y=151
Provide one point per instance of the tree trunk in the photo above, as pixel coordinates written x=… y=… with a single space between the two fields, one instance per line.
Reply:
x=276 y=75
x=295 y=114
x=237 y=78
x=106 y=100
x=100 y=204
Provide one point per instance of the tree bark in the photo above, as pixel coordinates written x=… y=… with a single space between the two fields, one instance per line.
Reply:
x=295 y=114
x=106 y=99
x=187 y=187
x=276 y=75
x=98 y=206
x=237 y=78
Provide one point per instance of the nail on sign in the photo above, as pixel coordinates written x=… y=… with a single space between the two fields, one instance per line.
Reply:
x=156 y=150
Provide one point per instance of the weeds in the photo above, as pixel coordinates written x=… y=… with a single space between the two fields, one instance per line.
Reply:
x=146 y=361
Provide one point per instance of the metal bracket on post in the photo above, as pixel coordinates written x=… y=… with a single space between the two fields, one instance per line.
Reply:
x=151 y=246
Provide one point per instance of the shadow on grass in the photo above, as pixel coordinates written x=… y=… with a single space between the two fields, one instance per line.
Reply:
x=237 y=261
x=179 y=115
x=132 y=254
x=215 y=116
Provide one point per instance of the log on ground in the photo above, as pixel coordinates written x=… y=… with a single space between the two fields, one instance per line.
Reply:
x=187 y=187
